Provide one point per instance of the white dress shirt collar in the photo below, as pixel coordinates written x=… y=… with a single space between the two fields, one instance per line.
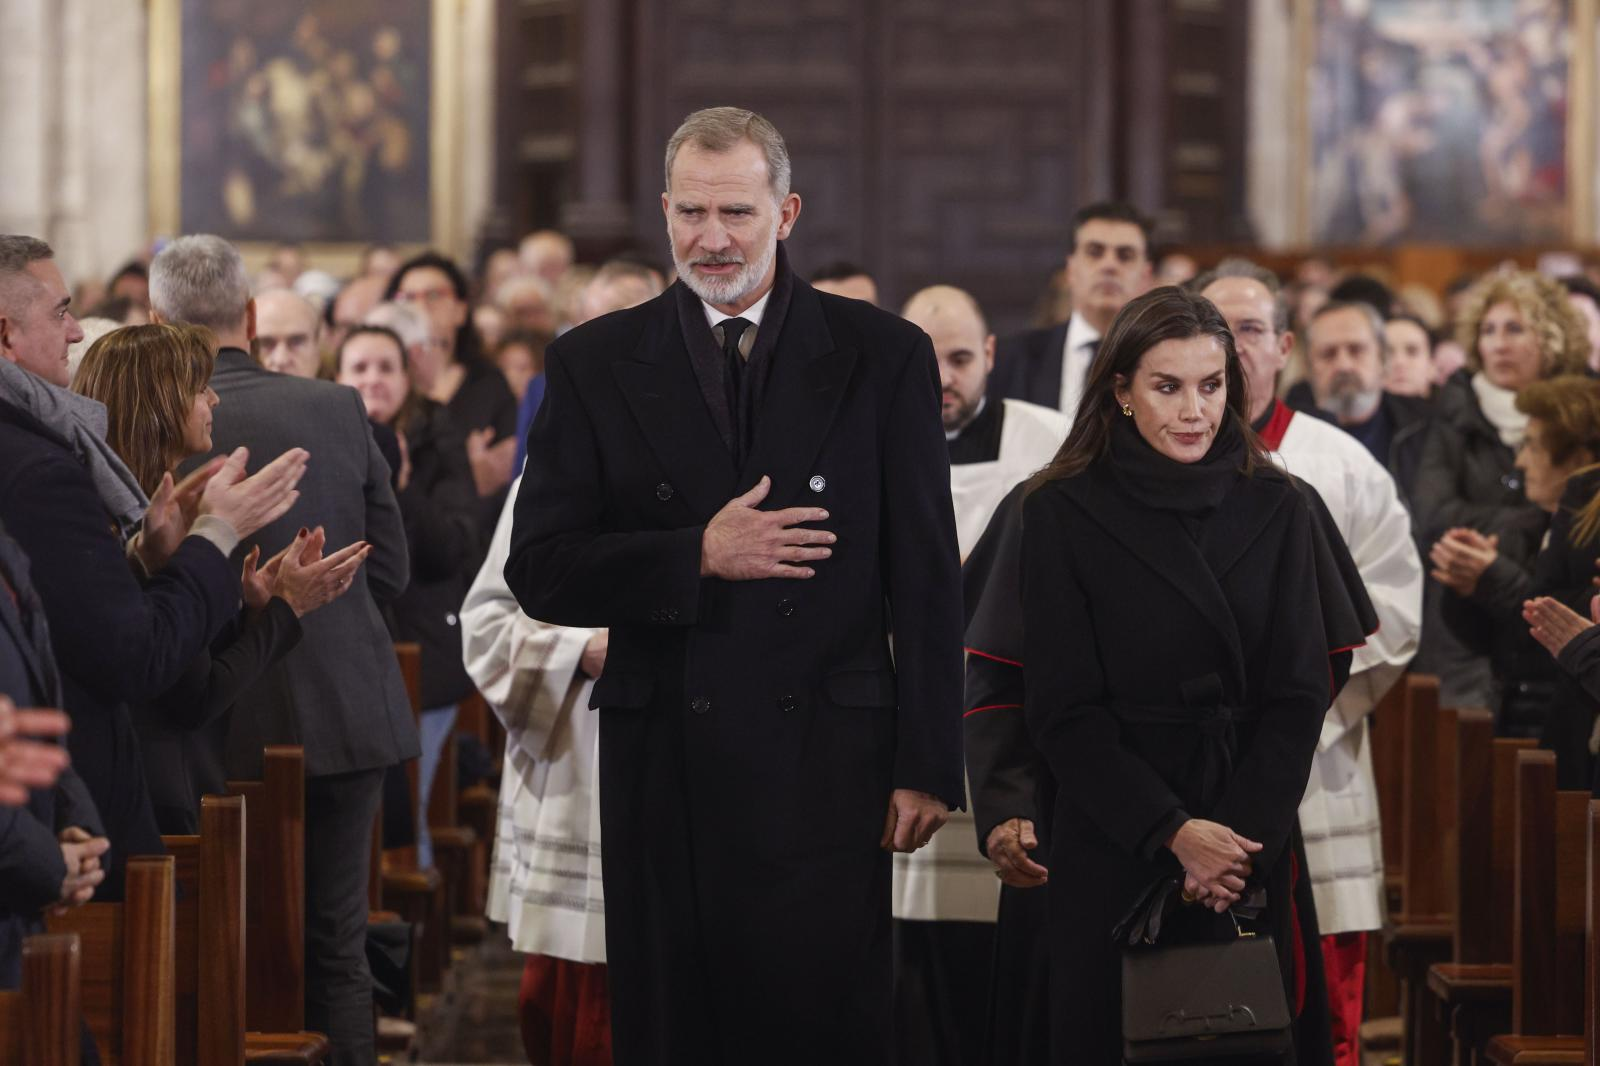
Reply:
x=751 y=314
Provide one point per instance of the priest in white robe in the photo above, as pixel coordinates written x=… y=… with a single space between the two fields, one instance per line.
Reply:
x=946 y=894
x=545 y=882
x=1339 y=814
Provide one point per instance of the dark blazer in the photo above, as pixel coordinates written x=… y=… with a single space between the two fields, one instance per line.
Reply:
x=440 y=507
x=1027 y=366
x=114 y=640
x=1149 y=654
x=339 y=692
x=751 y=732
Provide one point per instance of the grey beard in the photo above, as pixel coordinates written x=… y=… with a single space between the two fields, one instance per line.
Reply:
x=1350 y=403
x=727 y=290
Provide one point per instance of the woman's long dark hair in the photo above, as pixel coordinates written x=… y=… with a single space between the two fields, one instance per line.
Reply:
x=1163 y=314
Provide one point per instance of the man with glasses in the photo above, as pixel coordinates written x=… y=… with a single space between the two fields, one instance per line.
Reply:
x=288 y=334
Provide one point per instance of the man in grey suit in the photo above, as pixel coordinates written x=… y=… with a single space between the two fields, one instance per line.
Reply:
x=339 y=693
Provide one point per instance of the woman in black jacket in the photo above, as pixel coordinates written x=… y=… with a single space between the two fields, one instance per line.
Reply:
x=434 y=486
x=154 y=382
x=1178 y=663
x=1518 y=328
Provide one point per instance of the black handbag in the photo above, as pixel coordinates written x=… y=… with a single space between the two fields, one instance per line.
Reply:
x=1197 y=998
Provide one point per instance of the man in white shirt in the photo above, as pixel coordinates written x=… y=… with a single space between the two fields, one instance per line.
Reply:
x=1108 y=264
x=1339 y=814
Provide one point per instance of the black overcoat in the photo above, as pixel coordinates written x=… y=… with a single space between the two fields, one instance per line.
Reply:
x=1150 y=652
x=751 y=732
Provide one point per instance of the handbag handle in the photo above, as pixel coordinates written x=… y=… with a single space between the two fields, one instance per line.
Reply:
x=1142 y=924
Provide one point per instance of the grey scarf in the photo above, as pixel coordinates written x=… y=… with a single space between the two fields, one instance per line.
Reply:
x=82 y=422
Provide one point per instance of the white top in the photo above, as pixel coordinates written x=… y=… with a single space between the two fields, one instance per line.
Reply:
x=1076 y=355
x=752 y=314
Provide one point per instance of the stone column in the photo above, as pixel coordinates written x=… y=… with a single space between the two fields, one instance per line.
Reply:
x=599 y=218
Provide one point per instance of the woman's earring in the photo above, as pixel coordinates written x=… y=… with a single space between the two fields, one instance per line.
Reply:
x=1127 y=409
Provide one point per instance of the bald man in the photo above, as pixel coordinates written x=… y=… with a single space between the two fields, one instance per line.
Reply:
x=945 y=895
x=288 y=334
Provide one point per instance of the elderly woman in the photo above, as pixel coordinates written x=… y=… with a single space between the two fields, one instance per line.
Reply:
x=1488 y=578
x=433 y=485
x=154 y=382
x=1178 y=654
x=1518 y=328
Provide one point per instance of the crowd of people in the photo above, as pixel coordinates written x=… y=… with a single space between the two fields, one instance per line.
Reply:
x=702 y=496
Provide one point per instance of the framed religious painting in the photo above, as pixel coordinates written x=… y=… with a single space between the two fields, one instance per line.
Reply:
x=321 y=122
x=1446 y=121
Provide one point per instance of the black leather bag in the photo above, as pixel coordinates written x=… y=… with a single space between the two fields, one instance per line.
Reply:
x=1200 y=998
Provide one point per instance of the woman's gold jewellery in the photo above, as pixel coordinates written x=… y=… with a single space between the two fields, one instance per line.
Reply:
x=1127 y=409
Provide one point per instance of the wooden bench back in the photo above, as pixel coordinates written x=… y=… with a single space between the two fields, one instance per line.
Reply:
x=1550 y=901
x=275 y=924
x=1428 y=804
x=127 y=966
x=39 y=1020
x=210 y=871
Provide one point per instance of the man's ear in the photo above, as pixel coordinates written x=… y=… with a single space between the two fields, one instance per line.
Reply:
x=988 y=354
x=250 y=320
x=156 y=318
x=788 y=213
x=5 y=339
x=1285 y=347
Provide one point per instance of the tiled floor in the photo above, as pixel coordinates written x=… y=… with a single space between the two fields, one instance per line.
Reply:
x=473 y=1022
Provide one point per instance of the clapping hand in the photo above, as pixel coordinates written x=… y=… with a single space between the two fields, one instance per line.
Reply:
x=491 y=463
x=1008 y=848
x=172 y=511
x=24 y=763
x=300 y=575
x=1554 y=624
x=82 y=853
x=1460 y=558
x=1216 y=862
x=248 y=503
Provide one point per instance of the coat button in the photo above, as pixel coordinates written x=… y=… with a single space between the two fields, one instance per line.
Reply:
x=818 y=483
x=669 y=615
x=786 y=608
x=700 y=705
x=663 y=492
x=787 y=704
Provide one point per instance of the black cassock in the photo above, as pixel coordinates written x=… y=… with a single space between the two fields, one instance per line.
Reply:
x=1164 y=622
x=750 y=732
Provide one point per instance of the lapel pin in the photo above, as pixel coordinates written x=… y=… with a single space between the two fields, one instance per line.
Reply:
x=818 y=483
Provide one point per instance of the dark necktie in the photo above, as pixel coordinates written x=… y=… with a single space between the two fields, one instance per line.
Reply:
x=733 y=382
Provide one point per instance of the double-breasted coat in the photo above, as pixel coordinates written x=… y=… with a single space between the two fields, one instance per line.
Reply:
x=751 y=732
x=1168 y=674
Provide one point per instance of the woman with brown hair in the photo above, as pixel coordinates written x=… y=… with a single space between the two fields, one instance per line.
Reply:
x=154 y=382
x=1518 y=328
x=1178 y=655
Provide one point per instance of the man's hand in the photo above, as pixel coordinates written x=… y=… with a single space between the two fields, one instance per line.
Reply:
x=27 y=764
x=1008 y=846
x=594 y=653
x=248 y=503
x=912 y=820
x=81 y=852
x=172 y=511
x=1553 y=623
x=743 y=544
x=1460 y=558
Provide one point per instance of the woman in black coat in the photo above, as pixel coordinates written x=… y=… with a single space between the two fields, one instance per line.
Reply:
x=434 y=487
x=1179 y=662
x=1518 y=327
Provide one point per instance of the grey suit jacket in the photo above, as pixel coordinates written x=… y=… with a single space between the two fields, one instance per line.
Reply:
x=339 y=693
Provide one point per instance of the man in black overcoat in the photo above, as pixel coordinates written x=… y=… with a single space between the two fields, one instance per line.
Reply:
x=745 y=479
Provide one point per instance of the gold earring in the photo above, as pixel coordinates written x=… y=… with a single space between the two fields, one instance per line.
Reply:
x=1127 y=409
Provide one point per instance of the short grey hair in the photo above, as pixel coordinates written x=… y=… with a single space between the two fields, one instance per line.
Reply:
x=407 y=322
x=17 y=252
x=1239 y=267
x=1370 y=313
x=200 y=280
x=718 y=129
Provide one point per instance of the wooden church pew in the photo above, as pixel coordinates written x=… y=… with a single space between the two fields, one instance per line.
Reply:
x=275 y=924
x=1473 y=990
x=1549 y=920
x=40 y=1020
x=127 y=966
x=211 y=948
x=1420 y=933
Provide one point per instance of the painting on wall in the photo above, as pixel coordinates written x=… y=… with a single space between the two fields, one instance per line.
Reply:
x=1444 y=121
x=307 y=121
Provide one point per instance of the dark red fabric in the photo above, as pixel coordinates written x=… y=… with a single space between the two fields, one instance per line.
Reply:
x=1344 y=957
x=1272 y=433
x=566 y=1013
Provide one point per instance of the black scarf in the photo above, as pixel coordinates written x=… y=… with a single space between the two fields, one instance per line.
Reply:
x=1189 y=489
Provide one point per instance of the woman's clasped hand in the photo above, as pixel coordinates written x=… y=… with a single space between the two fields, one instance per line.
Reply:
x=1216 y=862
